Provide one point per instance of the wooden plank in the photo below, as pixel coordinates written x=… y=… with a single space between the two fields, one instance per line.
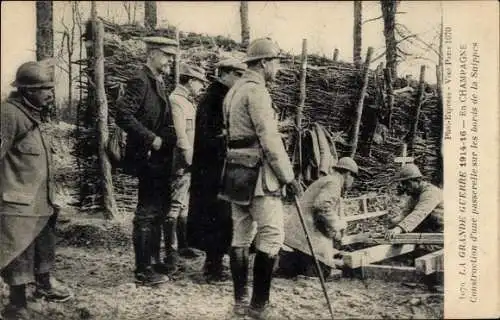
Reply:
x=355 y=238
x=404 y=238
x=365 y=216
x=391 y=273
x=410 y=238
x=377 y=253
x=430 y=263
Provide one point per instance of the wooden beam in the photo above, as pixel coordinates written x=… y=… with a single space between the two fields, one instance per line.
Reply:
x=377 y=253
x=404 y=238
x=391 y=273
x=411 y=238
x=355 y=238
x=430 y=263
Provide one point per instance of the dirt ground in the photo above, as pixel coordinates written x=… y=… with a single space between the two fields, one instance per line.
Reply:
x=95 y=260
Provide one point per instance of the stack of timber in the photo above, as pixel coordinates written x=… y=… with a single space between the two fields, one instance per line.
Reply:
x=332 y=91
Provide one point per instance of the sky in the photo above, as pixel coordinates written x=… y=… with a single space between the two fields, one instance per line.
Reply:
x=325 y=25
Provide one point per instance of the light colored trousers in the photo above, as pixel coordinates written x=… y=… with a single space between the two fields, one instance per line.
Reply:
x=262 y=218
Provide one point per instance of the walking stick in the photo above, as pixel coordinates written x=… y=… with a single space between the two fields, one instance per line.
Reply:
x=318 y=268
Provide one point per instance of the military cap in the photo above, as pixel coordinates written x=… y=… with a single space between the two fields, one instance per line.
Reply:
x=166 y=45
x=231 y=63
x=192 y=72
x=34 y=74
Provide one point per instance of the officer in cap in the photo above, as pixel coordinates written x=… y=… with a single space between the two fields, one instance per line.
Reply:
x=183 y=100
x=209 y=219
x=27 y=208
x=321 y=206
x=253 y=141
x=426 y=214
x=144 y=113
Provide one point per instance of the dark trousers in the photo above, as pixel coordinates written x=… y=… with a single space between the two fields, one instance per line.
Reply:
x=152 y=208
x=37 y=258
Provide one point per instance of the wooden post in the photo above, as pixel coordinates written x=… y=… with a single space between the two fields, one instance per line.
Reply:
x=177 y=57
x=335 y=55
x=416 y=115
x=302 y=100
x=110 y=208
x=390 y=96
x=359 y=108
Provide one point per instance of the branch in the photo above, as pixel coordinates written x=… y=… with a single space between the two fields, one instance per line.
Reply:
x=379 y=56
x=403 y=52
x=372 y=19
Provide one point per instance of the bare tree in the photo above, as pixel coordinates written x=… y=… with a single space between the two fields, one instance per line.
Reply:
x=357 y=36
x=131 y=9
x=150 y=15
x=67 y=49
x=245 y=25
x=389 y=8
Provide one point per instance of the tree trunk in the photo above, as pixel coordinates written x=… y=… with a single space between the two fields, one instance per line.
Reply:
x=44 y=31
x=245 y=26
x=109 y=203
x=389 y=8
x=45 y=41
x=416 y=115
x=356 y=54
x=359 y=108
x=150 y=17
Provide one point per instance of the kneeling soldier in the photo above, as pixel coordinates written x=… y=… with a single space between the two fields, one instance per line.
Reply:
x=427 y=212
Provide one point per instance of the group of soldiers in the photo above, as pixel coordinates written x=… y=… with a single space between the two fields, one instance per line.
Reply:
x=212 y=171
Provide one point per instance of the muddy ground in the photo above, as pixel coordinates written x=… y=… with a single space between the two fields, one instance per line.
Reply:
x=95 y=260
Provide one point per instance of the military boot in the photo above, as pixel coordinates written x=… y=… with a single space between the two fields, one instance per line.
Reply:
x=16 y=309
x=144 y=273
x=238 y=260
x=50 y=290
x=183 y=247
x=170 y=234
x=262 y=276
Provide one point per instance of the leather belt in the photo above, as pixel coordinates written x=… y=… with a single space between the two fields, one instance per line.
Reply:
x=242 y=143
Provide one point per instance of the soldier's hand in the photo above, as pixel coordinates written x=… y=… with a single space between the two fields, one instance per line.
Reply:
x=389 y=235
x=295 y=187
x=157 y=142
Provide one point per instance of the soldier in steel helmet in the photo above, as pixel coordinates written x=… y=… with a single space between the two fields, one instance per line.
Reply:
x=321 y=207
x=257 y=167
x=209 y=219
x=27 y=208
x=427 y=204
x=144 y=113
